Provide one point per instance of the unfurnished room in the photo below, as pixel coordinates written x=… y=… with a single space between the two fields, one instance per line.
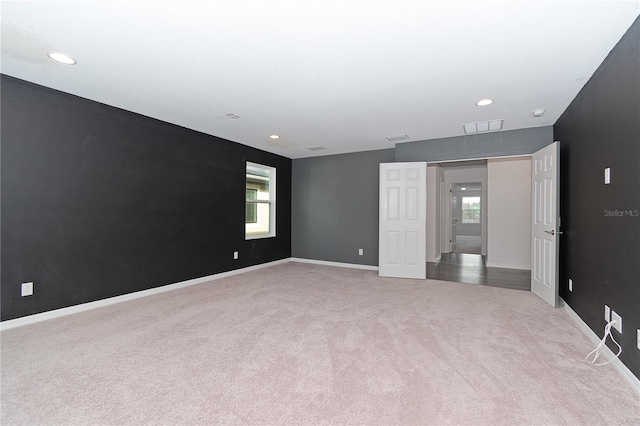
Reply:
x=339 y=212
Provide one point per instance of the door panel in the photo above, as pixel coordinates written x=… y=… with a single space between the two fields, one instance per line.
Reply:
x=403 y=220
x=393 y=209
x=545 y=217
x=412 y=248
x=412 y=203
x=392 y=247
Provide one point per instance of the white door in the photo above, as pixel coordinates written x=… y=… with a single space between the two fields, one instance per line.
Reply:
x=403 y=217
x=545 y=180
x=454 y=220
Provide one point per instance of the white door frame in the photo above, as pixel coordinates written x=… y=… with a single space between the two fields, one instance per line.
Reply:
x=453 y=220
x=445 y=218
x=445 y=205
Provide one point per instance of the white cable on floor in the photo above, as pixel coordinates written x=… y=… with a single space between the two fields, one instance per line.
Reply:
x=607 y=332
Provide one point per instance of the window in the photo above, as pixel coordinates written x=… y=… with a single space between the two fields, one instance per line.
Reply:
x=470 y=209
x=251 y=215
x=260 y=204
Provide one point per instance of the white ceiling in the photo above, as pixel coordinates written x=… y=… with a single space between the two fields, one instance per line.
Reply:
x=341 y=74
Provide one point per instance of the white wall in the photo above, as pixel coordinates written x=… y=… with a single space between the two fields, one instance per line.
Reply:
x=434 y=176
x=509 y=206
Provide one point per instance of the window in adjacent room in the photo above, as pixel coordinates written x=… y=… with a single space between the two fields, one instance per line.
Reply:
x=260 y=193
x=470 y=209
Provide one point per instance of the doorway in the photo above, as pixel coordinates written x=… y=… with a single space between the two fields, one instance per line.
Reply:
x=461 y=219
x=509 y=181
x=492 y=236
x=473 y=269
x=466 y=218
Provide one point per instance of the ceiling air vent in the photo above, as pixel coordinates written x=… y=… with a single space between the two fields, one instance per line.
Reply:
x=232 y=115
x=316 y=148
x=483 y=126
x=398 y=138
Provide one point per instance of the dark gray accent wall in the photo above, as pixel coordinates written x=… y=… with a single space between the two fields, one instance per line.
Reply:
x=484 y=145
x=335 y=206
x=98 y=202
x=600 y=248
x=335 y=197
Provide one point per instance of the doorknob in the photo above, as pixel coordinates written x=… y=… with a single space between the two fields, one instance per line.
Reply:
x=553 y=232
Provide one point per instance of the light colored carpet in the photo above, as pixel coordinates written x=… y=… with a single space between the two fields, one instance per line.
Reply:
x=468 y=244
x=308 y=344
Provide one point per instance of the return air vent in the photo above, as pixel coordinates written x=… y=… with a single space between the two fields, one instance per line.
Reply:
x=483 y=126
x=398 y=138
x=316 y=148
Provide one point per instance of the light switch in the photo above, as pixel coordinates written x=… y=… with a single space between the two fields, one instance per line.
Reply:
x=607 y=176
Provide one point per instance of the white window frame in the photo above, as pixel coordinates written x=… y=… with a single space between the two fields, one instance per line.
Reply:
x=271 y=202
x=463 y=209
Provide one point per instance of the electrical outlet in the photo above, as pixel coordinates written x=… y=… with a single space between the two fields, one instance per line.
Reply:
x=570 y=284
x=607 y=313
x=26 y=289
x=618 y=319
x=235 y=255
x=360 y=252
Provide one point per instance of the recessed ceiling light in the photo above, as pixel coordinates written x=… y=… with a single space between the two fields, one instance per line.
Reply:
x=62 y=58
x=464 y=188
x=274 y=137
x=538 y=112
x=484 y=102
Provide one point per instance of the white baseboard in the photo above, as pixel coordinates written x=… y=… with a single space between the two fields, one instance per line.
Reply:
x=435 y=260
x=498 y=265
x=593 y=337
x=31 y=319
x=339 y=264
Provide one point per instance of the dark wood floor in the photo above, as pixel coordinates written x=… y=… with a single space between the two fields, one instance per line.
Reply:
x=472 y=269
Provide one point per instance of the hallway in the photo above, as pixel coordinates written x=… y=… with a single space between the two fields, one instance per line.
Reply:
x=472 y=269
x=468 y=244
